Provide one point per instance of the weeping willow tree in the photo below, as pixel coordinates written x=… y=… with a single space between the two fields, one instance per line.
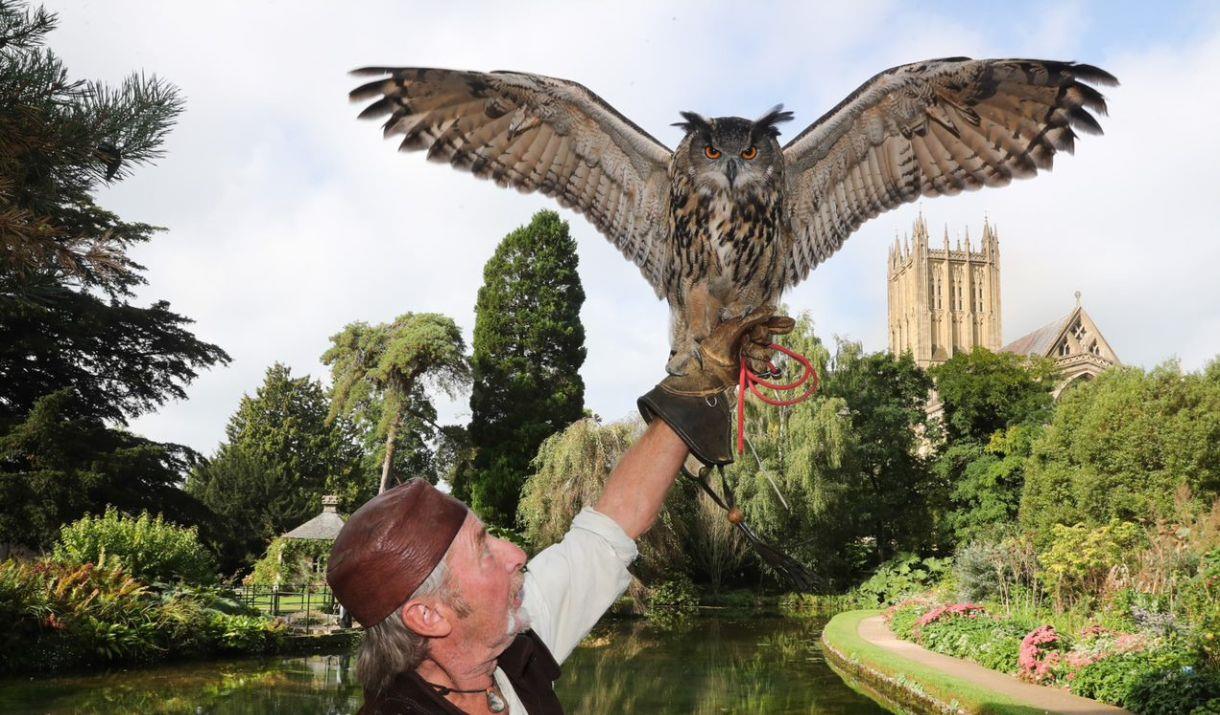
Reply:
x=837 y=481
x=570 y=471
x=717 y=548
x=786 y=480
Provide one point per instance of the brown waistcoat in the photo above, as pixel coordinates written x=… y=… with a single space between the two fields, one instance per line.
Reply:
x=528 y=664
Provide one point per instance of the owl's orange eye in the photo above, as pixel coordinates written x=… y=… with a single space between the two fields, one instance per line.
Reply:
x=750 y=153
x=711 y=152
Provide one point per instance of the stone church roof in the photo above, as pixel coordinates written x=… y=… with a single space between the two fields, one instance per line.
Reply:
x=323 y=527
x=1074 y=335
x=1078 y=348
x=1041 y=340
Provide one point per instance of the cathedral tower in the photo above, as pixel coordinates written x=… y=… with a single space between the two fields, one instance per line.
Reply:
x=943 y=301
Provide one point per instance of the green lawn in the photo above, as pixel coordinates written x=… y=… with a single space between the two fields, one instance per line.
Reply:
x=290 y=603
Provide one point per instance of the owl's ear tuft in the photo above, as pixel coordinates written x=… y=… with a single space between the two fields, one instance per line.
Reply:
x=693 y=123
x=765 y=125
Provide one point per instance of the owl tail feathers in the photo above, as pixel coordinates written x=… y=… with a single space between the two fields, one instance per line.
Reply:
x=801 y=578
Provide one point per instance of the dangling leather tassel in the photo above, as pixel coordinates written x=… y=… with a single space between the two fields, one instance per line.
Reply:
x=801 y=578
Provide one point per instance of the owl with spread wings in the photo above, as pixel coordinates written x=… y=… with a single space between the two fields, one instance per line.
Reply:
x=728 y=220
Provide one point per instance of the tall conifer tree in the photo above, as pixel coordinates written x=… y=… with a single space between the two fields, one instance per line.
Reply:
x=529 y=345
x=279 y=457
x=77 y=357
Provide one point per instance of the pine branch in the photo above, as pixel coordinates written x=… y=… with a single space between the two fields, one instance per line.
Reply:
x=22 y=29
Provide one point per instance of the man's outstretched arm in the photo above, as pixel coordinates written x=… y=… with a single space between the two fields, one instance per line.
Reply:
x=636 y=489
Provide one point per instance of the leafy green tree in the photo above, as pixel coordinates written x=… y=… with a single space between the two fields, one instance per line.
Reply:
x=60 y=463
x=987 y=481
x=994 y=405
x=379 y=372
x=528 y=350
x=984 y=392
x=65 y=276
x=1120 y=447
x=280 y=457
x=895 y=493
x=570 y=472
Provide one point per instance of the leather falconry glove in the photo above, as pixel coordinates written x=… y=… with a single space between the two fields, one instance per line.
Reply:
x=696 y=405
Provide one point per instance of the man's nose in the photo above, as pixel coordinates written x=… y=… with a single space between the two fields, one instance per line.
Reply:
x=514 y=557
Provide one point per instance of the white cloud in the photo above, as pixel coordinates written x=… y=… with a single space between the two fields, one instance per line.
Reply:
x=287 y=218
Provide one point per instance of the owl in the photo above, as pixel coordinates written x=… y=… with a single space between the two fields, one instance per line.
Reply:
x=730 y=219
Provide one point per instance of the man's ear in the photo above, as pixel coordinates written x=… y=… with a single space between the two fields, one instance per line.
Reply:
x=425 y=619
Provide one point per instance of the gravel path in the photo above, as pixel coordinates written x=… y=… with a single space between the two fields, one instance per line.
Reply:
x=1052 y=700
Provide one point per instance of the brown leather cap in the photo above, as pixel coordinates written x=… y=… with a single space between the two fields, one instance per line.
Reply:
x=389 y=546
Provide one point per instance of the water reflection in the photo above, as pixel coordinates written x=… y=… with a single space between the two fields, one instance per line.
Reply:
x=706 y=665
x=321 y=684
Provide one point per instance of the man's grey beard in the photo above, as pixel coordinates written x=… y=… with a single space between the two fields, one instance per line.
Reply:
x=518 y=618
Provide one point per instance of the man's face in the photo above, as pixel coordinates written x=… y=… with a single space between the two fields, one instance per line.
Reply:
x=487 y=573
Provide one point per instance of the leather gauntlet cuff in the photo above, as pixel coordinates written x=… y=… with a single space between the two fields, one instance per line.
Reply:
x=703 y=423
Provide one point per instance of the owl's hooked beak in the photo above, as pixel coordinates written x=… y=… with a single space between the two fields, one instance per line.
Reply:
x=730 y=170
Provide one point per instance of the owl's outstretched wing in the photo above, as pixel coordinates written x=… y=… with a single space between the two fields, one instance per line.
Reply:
x=535 y=133
x=927 y=129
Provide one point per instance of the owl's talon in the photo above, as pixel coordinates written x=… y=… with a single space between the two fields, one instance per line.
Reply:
x=680 y=362
x=728 y=313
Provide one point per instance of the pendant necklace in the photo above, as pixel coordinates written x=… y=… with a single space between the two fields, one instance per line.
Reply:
x=495 y=703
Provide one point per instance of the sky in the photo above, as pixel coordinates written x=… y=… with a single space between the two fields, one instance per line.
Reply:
x=286 y=218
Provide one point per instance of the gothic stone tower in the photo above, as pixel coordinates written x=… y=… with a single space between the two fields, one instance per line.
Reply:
x=943 y=301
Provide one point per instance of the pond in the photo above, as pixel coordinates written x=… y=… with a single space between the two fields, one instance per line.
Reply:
x=708 y=665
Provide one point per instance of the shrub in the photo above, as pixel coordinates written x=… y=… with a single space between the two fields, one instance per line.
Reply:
x=902 y=576
x=1201 y=604
x=674 y=597
x=60 y=616
x=1041 y=655
x=990 y=642
x=903 y=616
x=149 y=549
x=1079 y=558
x=291 y=562
x=813 y=605
x=1119 y=678
x=978 y=569
x=966 y=610
x=1173 y=691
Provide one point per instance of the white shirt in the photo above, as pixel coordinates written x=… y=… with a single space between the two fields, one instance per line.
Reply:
x=569 y=585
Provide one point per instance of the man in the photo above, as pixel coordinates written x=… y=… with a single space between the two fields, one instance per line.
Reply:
x=454 y=620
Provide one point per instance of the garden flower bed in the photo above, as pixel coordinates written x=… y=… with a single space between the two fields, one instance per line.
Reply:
x=64 y=617
x=1145 y=672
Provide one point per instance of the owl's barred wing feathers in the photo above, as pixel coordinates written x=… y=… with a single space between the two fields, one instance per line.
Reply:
x=535 y=133
x=929 y=129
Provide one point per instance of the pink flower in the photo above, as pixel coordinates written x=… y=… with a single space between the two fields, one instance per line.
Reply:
x=969 y=610
x=1094 y=631
x=1034 y=662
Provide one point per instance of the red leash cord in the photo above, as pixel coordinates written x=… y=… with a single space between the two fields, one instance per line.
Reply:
x=750 y=381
